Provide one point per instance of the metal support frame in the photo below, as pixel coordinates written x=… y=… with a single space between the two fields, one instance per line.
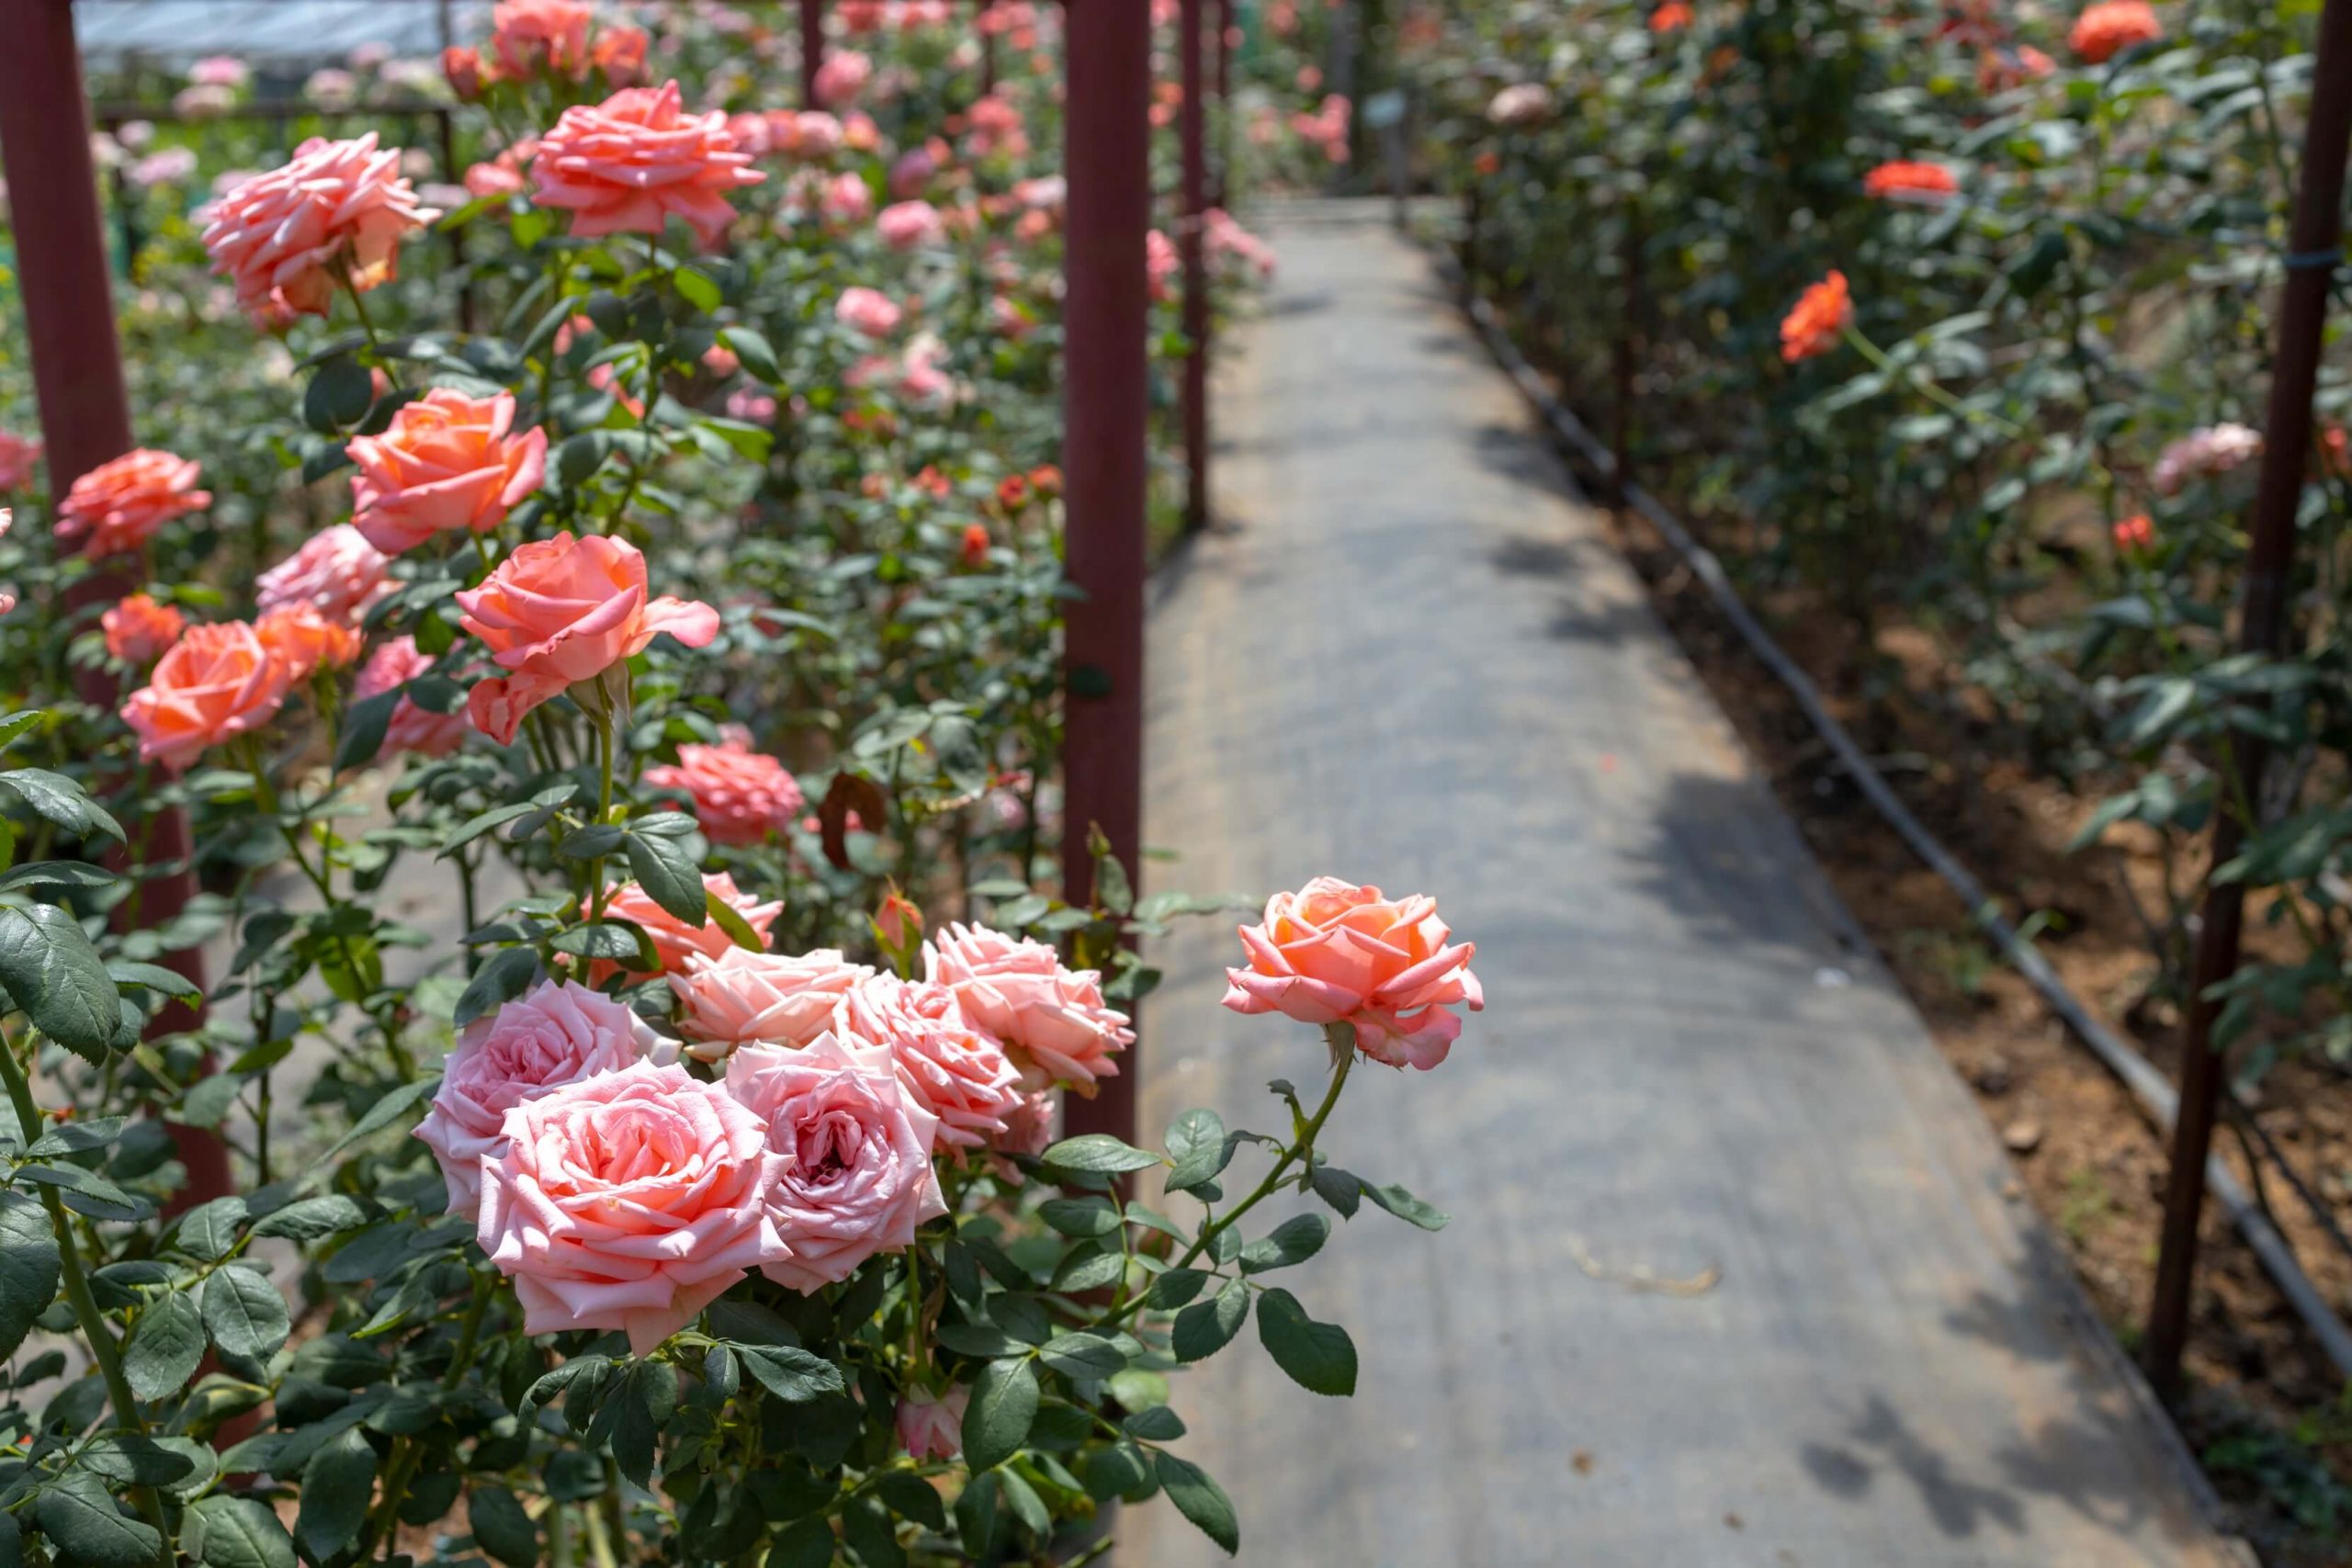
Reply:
x=1192 y=251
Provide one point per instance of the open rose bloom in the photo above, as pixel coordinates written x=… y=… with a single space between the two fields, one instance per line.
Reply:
x=1334 y=953
x=630 y=164
x=217 y=682
x=117 y=507
x=741 y=796
x=448 y=463
x=333 y=218
x=1052 y=1018
x=741 y=998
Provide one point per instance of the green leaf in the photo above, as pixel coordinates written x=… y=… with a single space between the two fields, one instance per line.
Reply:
x=911 y=1497
x=730 y=921
x=697 y=287
x=809 y=1544
x=1406 y=1207
x=979 y=1339
x=1197 y=1145
x=1343 y=1190
x=245 y=1313
x=748 y=1323
x=753 y=348
x=667 y=872
x=997 y=1421
x=501 y=1527
x=165 y=1346
x=1199 y=1499
x=55 y=798
x=1157 y=1424
x=339 y=395
x=27 y=1268
x=1296 y=1240
x=1205 y=1328
x=57 y=977
x=507 y=975
x=236 y=1532
x=1320 y=1356
x=1099 y=1154
x=1083 y=1355
x=207 y=1231
x=1177 y=1287
x=554 y=1383
x=1085 y=1217
x=1026 y=1506
x=337 y=1485
x=80 y=1517
x=789 y=1372
x=361 y=733
x=389 y=1108
x=313 y=1218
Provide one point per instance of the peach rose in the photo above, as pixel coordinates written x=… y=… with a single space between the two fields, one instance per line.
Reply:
x=446 y=462
x=619 y=53
x=742 y=796
x=630 y=163
x=217 y=682
x=909 y=225
x=19 y=457
x=1052 y=1020
x=117 y=507
x=951 y=1069
x=1334 y=953
x=336 y=572
x=2105 y=30
x=561 y=611
x=138 y=629
x=306 y=641
x=631 y=1199
x=411 y=729
x=528 y=37
x=334 y=215
x=856 y=1177
x=554 y=1034
x=931 y=1426
x=674 y=942
x=742 y=998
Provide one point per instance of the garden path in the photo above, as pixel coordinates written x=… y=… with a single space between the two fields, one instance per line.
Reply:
x=1737 y=1274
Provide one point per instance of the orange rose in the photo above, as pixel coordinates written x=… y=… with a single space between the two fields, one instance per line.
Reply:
x=117 y=507
x=1334 y=953
x=302 y=639
x=561 y=611
x=447 y=461
x=138 y=629
x=1916 y=181
x=632 y=162
x=1822 y=315
x=2108 y=28
x=217 y=682
x=1670 y=17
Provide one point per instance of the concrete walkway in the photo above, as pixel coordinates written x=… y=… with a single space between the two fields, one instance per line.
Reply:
x=1412 y=659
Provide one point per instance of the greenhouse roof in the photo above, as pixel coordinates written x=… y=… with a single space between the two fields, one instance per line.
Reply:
x=268 y=29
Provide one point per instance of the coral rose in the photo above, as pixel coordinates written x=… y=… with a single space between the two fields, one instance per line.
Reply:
x=931 y=1426
x=1822 y=315
x=743 y=997
x=1052 y=1020
x=841 y=76
x=1918 y=181
x=19 y=456
x=216 y=682
x=334 y=215
x=336 y=572
x=909 y=225
x=1670 y=17
x=564 y=610
x=958 y=1074
x=867 y=311
x=411 y=728
x=1334 y=953
x=2108 y=28
x=631 y=1199
x=620 y=54
x=2133 y=533
x=856 y=1177
x=138 y=629
x=554 y=1034
x=446 y=462
x=117 y=507
x=528 y=36
x=305 y=642
x=674 y=942
x=632 y=162
x=742 y=796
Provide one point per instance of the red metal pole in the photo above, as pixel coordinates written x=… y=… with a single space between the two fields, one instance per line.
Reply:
x=2314 y=246
x=1191 y=245
x=85 y=411
x=1106 y=157
x=812 y=50
x=988 y=47
x=1221 y=185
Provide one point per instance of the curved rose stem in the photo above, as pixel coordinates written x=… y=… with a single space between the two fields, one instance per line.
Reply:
x=367 y=325
x=1928 y=389
x=603 y=804
x=93 y=1323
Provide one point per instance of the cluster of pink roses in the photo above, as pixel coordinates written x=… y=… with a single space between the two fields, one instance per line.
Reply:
x=620 y=1190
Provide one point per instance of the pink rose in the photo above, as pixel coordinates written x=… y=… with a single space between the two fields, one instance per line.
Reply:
x=631 y=1199
x=856 y=1177
x=951 y=1069
x=533 y=35
x=561 y=611
x=446 y=462
x=19 y=456
x=909 y=225
x=743 y=997
x=867 y=311
x=847 y=198
x=412 y=728
x=632 y=162
x=1334 y=953
x=842 y=76
x=742 y=796
x=138 y=629
x=554 y=1034
x=931 y=1426
x=674 y=941
x=337 y=572
x=117 y=507
x=334 y=216
x=1053 y=1020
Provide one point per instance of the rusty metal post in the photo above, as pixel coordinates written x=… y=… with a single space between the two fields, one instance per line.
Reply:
x=2314 y=245
x=85 y=410
x=1106 y=157
x=1192 y=251
x=986 y=23
x=812 y=50
x=1221 y=183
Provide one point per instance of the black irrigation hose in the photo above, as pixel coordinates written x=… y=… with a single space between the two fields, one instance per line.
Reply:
x=2136 y=1072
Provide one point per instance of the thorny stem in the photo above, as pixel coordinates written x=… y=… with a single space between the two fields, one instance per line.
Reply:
x=409 y=1454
